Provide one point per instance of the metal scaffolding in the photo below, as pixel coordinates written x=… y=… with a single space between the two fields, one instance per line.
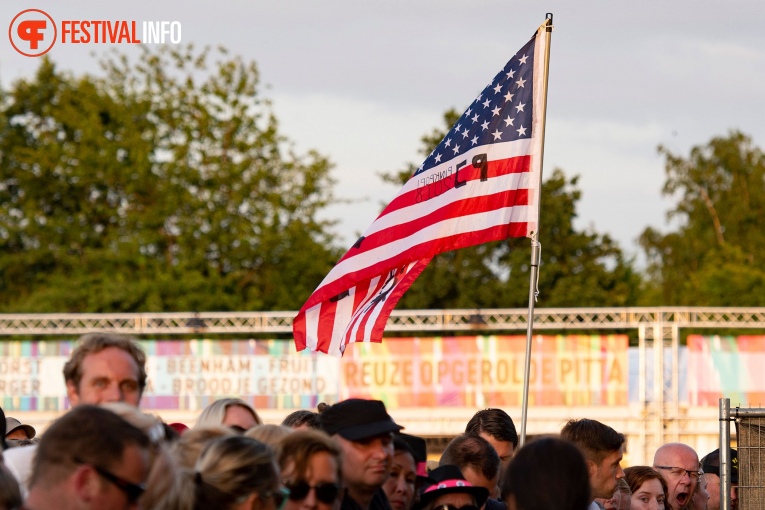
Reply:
x=657 y=330
x=651 y=323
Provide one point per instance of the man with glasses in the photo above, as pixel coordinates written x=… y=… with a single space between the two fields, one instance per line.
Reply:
x=90 y=458
x=678 y=464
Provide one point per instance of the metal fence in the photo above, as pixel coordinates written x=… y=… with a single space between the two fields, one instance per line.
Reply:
x=750 y=436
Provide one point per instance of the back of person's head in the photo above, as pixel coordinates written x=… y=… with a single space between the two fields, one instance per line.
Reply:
x=595 y=439
x=547 y=474
x=85 y=435
x=472 y=451
x=93 y=343
x=229 y=470
x=151 y=425
x=494 y=422
x=302 y=418
x=187 y=449
x=215 y=414
x=10 y=492
x=269 y=434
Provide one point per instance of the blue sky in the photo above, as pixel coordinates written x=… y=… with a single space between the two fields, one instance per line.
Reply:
x=362 y=81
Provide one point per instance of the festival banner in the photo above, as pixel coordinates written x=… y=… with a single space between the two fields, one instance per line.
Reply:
x=475 y=371
x=726 y=367
x=487 y=371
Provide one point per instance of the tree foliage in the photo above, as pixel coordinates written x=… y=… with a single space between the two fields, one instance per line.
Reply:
x=578 y=268
x=162 y=185
x=715 y=257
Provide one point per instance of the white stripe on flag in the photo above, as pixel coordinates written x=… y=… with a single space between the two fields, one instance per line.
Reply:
x=447 y=228
x=473 y=189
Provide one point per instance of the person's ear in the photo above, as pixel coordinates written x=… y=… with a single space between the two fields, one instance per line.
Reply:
x=73 y=393
x=86 y=483
x=253 y=502
x=592 y=468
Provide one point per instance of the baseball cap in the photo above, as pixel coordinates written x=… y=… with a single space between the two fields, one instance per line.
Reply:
x=448 y=479
x=12 y=424
x=711 y=464
x=356 y=419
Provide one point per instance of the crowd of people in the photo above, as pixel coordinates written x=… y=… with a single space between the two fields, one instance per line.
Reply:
x=104 y=453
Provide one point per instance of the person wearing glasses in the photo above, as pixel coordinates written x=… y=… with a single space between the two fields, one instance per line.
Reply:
x=310 y=465
x=449 y=490
x=603 y=449
x=679 y=464
x=90 y=458
x=232 y=473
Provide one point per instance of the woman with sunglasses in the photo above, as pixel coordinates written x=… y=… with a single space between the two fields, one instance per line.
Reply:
x=232 y=473
x=450 y=491
x=310 y=465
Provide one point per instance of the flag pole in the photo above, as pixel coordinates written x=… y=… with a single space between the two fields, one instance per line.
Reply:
x=535 y=246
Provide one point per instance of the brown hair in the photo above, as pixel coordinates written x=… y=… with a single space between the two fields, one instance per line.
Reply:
x=299 y=446
x=636 y=476
x=92 y=434
x=93 y=343
x=596 y=440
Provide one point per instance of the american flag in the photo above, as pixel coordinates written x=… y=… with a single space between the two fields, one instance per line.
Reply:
x=479 y=184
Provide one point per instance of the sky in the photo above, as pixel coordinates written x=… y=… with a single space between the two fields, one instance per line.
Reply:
x=361 y=82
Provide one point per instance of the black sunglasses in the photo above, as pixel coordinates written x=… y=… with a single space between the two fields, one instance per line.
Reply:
x=325 y=492
x=452 y=507
x=132 y=491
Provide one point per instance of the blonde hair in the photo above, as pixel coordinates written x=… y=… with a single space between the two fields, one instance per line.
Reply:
x=272 y=435
x=215 y=413
x=187 y=449
x=228 y=470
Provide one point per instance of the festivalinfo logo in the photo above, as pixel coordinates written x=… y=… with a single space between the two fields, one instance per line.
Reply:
x=33 y=32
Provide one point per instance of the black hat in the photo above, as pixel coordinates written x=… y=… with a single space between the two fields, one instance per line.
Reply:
x=418 y=447
x=711 y=464
x=356 y=419
x=448 y=479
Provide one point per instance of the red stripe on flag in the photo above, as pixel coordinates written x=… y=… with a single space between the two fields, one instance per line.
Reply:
x=456 y=209
x=420 y=251
x=327 y=317
x=299 y=331
x=497 y=168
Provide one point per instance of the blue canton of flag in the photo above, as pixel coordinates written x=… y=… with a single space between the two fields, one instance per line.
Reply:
x=502 y=112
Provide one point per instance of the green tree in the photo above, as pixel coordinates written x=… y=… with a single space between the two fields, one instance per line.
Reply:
x=162 y=185
x=715 y=257
x=577 y=268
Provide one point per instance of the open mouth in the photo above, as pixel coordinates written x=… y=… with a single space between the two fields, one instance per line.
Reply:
x=682 y=498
